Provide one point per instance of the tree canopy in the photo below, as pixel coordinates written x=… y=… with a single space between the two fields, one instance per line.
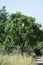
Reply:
x=18 y=30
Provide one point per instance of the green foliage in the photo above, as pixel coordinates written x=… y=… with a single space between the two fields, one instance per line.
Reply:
x=40 y=46
x=19 y=30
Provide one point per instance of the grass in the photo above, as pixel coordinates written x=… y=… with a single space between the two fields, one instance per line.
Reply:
x=16 y=59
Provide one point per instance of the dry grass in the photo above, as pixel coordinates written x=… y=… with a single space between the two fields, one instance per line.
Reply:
x=42 y=59
x=16 y=60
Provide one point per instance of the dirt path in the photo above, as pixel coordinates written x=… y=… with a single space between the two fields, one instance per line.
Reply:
x=38 y=60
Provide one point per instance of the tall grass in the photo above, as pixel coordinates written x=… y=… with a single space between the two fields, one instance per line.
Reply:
x=16 y=59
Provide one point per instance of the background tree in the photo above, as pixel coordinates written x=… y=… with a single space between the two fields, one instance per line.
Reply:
x=19 y=31
x=3 y=20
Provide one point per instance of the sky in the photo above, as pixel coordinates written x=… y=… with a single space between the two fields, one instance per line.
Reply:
x=32 y=8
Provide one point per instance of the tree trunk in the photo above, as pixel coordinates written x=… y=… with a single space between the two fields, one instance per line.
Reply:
x=22 y=49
